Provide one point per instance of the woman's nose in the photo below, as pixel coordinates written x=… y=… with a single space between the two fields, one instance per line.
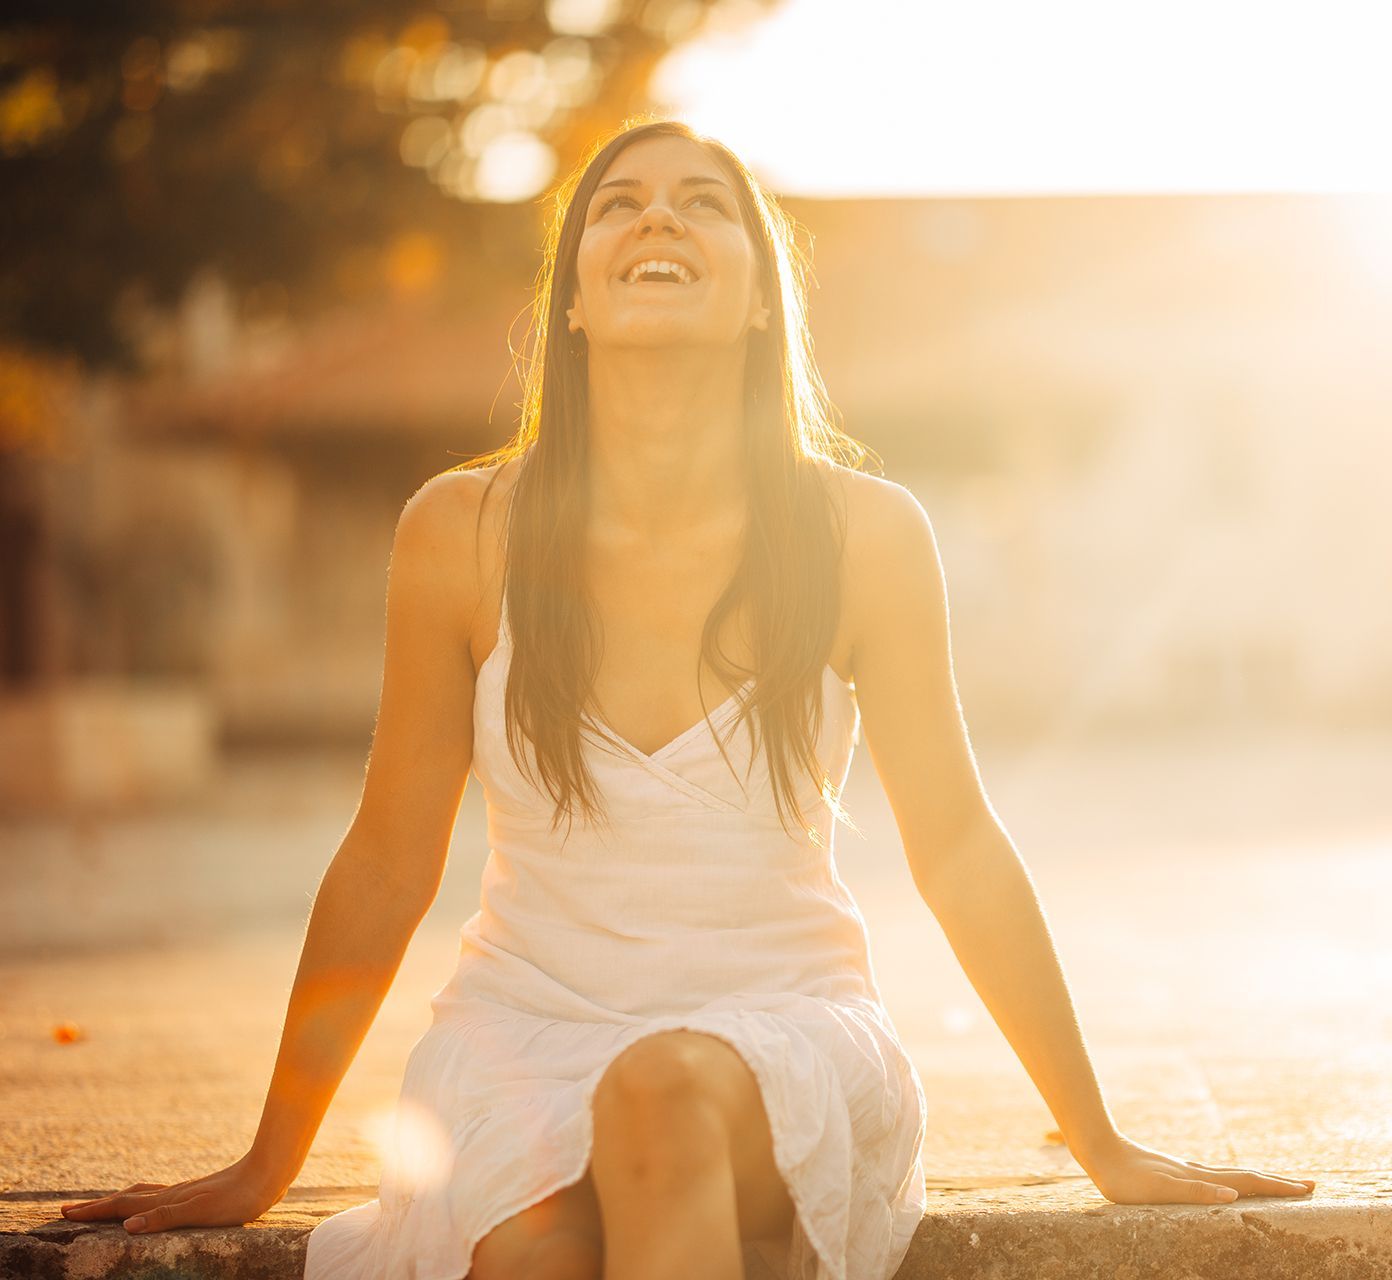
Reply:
x=658 y=215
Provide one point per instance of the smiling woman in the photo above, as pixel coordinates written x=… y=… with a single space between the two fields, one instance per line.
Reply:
x=693 y=412
x=664 y=1028
x=664 y=1039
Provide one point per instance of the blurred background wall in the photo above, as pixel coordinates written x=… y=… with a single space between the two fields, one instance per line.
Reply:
x=266 y=271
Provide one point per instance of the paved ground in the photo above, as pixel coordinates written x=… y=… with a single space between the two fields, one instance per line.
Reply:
x=1219 y=905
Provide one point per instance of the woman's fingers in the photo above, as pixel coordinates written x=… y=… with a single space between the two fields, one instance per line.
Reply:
x=1252 y=1183
x=108 y=1206
x=230 y=1197
x=1227 y=1184
x=1129 y=1173
x=1192 y=1191
x=118 y=1206
x=1257 y=1183
x=164 y=1216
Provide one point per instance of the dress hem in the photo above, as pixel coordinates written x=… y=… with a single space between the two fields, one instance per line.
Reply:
x=657 y=1027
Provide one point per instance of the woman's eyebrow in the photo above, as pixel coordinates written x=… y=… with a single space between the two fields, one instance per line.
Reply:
x=683 y=182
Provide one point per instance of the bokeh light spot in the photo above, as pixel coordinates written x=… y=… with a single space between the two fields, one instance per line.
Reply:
x=189 y=63
x=581 y=17
x=413 y=1145
x=568 y=60
x=452 y=74
x=487 y=121
x=29 y=111
x=671 y=21
x=424 y=141
x=516 y=166
x=392 y=73
x=516 y=76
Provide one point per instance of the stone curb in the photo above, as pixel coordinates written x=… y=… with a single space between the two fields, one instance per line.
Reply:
x=1048 y=1231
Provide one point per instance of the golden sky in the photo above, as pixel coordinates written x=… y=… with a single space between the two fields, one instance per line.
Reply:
x=888 y=97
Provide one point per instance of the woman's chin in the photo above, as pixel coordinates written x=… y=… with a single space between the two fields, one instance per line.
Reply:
x=658 y=337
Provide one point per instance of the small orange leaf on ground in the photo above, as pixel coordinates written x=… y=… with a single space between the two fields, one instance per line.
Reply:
x=67 y=1032
x=1055 y=1137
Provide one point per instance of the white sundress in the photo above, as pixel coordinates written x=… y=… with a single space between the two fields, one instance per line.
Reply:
x=695 y=910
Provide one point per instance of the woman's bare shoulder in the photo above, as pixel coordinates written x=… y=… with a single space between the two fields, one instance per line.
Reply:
x=466 y=492
x=889 y=550
x=449 y=537
x=465 y=508
x=876 y=512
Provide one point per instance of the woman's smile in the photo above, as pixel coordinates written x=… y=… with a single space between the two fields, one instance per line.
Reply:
x=662 y=270
x=644 y=286
x=672 y=241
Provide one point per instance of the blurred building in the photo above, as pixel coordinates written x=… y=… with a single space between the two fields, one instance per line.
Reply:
x=1151 y=434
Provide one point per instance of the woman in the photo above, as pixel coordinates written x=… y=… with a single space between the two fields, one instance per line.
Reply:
x=664 y=1035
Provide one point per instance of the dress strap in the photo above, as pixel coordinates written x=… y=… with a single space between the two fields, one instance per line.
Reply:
x=504 y=623
x=504 y=626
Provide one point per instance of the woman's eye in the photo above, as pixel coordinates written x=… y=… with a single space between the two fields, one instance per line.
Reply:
x=611 y=202
x=617 y=199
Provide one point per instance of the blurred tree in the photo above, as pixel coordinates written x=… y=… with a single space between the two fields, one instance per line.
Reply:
x=307 y=152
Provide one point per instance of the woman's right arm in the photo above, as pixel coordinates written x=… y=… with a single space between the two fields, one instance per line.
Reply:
x=384 y=875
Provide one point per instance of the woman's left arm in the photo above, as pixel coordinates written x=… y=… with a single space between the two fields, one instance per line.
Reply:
x=964 y=864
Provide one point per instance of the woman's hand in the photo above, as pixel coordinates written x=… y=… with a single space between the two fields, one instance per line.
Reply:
x=229 y=1198
x=1128 y=1173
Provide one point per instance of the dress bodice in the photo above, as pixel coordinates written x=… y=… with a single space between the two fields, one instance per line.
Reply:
x=694 y=873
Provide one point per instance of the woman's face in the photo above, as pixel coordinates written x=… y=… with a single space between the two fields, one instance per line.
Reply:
x=647 y=208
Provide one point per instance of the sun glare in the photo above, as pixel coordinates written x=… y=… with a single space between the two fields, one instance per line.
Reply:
x=1010 y=97
x=413 y=1147
x=1367 y=227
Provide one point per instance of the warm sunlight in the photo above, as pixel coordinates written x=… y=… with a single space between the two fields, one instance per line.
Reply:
x=1366 y=227
x=783 y=602
x=411 y=1144
x=1004 y=96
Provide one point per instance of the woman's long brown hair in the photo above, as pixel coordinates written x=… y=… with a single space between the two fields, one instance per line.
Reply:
x=788 y=579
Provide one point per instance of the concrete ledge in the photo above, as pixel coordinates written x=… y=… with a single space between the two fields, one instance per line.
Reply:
x=37 y=1241
x=1053 y=1231
x=1068 y=1231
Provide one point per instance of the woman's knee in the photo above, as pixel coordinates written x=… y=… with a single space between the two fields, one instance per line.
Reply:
x=656 y=1107
x=673 y=1106
x=663 y=1074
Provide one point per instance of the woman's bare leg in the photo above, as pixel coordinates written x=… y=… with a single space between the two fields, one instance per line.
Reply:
x=559 y=1238
x=683 y=1161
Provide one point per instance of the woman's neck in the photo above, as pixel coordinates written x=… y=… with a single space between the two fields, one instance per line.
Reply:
x=666 y=442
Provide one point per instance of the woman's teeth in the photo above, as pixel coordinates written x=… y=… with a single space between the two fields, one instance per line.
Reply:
x=658 y=266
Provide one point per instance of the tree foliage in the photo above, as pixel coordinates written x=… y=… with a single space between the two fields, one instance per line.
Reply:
x=309 y=152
